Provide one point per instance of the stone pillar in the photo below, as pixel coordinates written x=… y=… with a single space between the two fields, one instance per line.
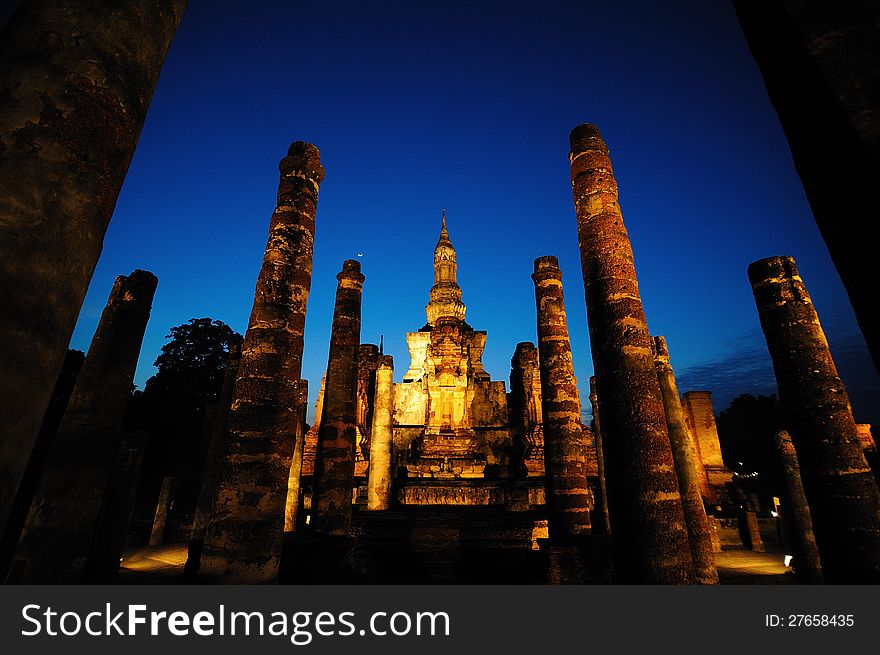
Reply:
x=565 y=458
x=380 y=474
x=76 y=82
x=604 y=525
x=291 y=508
x=243 y=540
x=334 y=460
x=820 y=65
x=116 y=510
x=796 y=513
x=699 y=531
x=157 y=534
x=843 y=495
x=750 y=532
x=64 y=513
x=650 y=537
x=219 y=421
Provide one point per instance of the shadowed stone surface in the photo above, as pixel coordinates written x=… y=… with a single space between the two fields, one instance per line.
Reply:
x=842 y=493
x=160 y=517
x=699 y=532
x=111 y=534
x=796 y=513
x=65 y=511
x=292 y=504
x=603 y=525
x=243 y=540
x=218 y=418
x=821 y=66
x=565 y=460
x=650 y=538
x=334 y=460
x=76 y=79
x=381 y=438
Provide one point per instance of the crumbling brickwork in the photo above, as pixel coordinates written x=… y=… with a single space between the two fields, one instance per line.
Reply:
x=650 y=538
x=243 y=539
x=842 y=493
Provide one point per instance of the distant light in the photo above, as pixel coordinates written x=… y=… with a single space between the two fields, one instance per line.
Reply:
x=788 y=559
x=774 y=514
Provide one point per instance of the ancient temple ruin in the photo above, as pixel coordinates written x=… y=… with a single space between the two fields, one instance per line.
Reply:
x=450 y=417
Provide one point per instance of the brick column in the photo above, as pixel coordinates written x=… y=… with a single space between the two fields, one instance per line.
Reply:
x=565 y=458
x=842 y=493
x=334 y=460
x=650 y=538
x=699 y=532
x=76 y=81
x=291 y=508
x=379 y=480
x=160 y=517
x=796 y=513
x=243 y=540
x=604 y=524
x=64 y=514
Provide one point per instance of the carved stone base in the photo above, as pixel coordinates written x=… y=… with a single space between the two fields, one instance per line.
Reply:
x=445 y=468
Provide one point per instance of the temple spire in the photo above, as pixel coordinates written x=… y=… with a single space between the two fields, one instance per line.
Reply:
x=445 y=297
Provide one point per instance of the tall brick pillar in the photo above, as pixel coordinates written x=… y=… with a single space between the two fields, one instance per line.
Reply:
x=334 y=460
x=243 y=540
x=603 y=526
x=699 y=532
x=796 y=513
x=650 y=537
x=76 y=80
x=379 y=480
x=842 y=493
x=291 y=508
x=565 y=458
x=64 y=514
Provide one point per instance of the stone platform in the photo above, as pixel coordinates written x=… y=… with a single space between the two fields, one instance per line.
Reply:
x=513 y=495
x=425 y=545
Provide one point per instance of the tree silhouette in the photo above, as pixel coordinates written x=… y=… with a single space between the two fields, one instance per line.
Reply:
x=172 y=410
x=746 y=430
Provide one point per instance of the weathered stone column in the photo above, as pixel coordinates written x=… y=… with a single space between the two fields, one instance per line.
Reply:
x=76 y=80
x=243 y=540
x=796 y=513
x=116 y=510
x=565 y=459
x=650 y=538
x=334 y=460
x=843 y=495
x=160 y=517
x=604 y=525
x=699 y=532
x=291 y=508
x=219 y=422
x=379 y=480
x=64 y=513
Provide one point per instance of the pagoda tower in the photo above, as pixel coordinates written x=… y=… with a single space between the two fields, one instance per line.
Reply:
x=447 y=410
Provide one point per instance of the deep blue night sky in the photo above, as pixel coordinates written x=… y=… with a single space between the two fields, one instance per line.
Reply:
x=422 y=106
